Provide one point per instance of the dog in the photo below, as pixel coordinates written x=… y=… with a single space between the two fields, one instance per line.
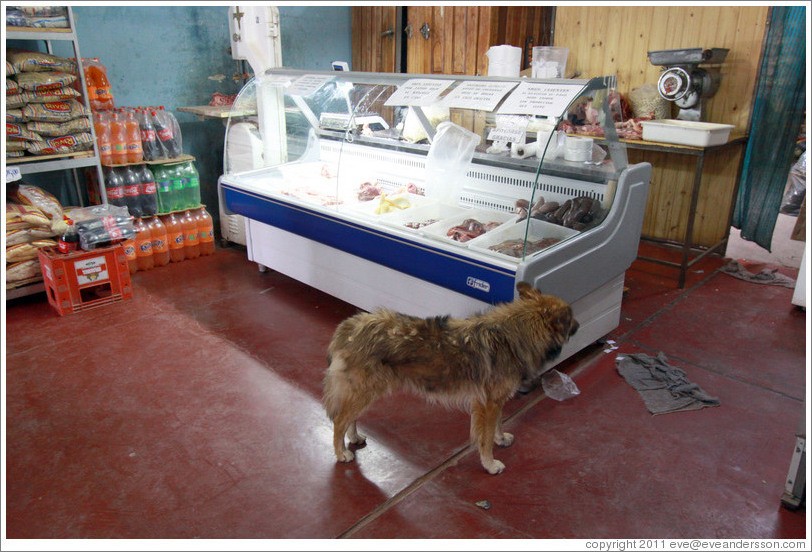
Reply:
x=476 y=363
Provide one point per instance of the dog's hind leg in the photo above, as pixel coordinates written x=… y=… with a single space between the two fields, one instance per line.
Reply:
x=502 y=438
x=344 y=404
x=484 y=419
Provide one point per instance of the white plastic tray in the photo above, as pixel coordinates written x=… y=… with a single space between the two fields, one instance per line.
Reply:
x=423 y=213
x=686 y=133
x=539 y=229
x=439 y=230
x=368 y=208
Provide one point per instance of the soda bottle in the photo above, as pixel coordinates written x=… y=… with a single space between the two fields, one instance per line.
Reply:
x=135 y=153
x=205 y=231
x=160 y=245
x=114 y=186
x=91 y=83
x=164 y=184
x=149 y=191
x=69 y=241
x=143 y=246
x=174 y=232
x=191 y=244
x=166 y=135
x=118 y=139
x=176 y=175
x=132 y=191
x=103 y=137
x=152 y=147
x=132 y=258
x=104 y=95
x=192 y=186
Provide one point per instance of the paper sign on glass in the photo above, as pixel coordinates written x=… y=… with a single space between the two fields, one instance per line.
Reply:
x=418 y=92
x=482 y=95
x=509 y=128
x=307 y=84
x=540 y=99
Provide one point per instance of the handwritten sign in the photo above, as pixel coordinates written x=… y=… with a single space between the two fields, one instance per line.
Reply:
x=12 y=174
x=549 y=100
x=509 y=128
x=418 y=92
x=307 y=84
x=482 y=95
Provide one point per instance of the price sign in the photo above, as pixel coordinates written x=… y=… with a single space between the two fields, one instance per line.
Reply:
x=418 y=92
x=12 y=174
x=549 y=100
x=482 y=95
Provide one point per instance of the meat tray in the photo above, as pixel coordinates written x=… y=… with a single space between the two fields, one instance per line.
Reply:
x=420 y=215
x=686 y=133
x=538 y=230
x=439 y=230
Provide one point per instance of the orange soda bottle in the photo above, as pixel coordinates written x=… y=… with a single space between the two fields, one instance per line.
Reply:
x=132 y=259
x=143 y=246
x=191 y=244
x=174 y=232
x=160 y=247
x=205 y=231
x=135 y=153
x=102 y=127
x=118 y=139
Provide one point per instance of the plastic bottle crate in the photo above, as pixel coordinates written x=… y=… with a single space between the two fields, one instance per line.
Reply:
x=85 y=280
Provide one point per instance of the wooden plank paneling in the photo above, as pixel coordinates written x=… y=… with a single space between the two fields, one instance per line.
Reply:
x=615 y=40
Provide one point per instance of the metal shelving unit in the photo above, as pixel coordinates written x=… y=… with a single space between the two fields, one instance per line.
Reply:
x=57 y=162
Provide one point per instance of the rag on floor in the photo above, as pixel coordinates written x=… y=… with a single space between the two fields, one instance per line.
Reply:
x=769 y=276
x=663 y=388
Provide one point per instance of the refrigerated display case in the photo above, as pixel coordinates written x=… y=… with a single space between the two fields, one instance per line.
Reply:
x=436 y=194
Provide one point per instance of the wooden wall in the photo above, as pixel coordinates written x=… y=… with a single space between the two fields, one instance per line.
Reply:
x=615 y=40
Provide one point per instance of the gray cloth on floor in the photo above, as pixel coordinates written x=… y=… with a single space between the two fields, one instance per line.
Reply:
x=769 y=276
x=664 y=388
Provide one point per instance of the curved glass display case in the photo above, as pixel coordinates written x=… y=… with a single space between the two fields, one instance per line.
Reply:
x=435 y=194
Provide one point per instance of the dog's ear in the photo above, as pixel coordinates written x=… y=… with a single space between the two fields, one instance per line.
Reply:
x=525 y=290
x=563 y=323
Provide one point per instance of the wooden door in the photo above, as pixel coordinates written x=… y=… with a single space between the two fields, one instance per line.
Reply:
x=376 y=38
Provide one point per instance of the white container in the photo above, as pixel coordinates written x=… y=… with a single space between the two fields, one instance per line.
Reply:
x=504 y=61
x=549 y=62
x=578 y=148
x=539 y=229
x=686 y=133
x=439 y=230
x=422 y=214
x=369 y=208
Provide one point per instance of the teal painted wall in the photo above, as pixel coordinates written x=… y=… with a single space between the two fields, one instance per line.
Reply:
x=179 y=56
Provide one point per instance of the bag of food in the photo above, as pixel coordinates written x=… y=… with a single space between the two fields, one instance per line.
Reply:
x=14 y=101
x=54 y=112
x=61 y=144
x=46 y=96
x=28 y=62
x=74 y=126
x=28 y=214
x=20 y=132
x=27 y=251
x=45 y=80
x=14 y=116
x=11 y=86
x=18 y=272
x=26 y=194
x=26 y=235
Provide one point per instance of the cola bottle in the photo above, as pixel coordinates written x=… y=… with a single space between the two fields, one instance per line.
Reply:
x=114 y=187
x=166 y=135
x=104 y=231
x=149 y=191
x=153 y=149
x=132 y=192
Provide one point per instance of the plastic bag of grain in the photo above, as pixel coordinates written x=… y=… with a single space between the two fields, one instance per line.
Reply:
x=54 y=112
x=28 y=62
x=74 y=126
x=44 y=80
x=646 y=102
x=62 y=94
x=24 y=270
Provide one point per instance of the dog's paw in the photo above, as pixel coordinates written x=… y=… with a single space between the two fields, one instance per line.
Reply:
x=357 y=439
x=345 y=456
x=504 y=440
x=495 y=467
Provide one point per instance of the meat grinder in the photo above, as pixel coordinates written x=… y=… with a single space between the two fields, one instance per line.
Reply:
x=684 y=82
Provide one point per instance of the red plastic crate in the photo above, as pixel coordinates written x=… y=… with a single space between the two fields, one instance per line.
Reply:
x=85 y=279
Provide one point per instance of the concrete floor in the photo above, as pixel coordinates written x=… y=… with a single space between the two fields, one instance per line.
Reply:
x=192 y=411
x=783 y=250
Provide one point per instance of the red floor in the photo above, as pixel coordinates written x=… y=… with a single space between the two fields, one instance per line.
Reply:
x=192 y=411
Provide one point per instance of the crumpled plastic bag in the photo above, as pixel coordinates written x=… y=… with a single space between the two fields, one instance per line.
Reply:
x=558 y=386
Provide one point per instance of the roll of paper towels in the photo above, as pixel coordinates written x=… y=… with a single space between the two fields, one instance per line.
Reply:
x=504 y=61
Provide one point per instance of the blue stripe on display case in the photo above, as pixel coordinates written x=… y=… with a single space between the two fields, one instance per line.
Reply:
x=474 y=278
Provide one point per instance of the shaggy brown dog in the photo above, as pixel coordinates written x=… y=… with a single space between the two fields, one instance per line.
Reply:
x=477 y=363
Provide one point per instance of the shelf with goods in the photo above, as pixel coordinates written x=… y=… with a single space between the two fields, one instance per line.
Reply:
x=70 y=161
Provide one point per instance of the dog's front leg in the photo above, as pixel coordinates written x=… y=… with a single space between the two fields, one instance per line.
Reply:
x=484 y=418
